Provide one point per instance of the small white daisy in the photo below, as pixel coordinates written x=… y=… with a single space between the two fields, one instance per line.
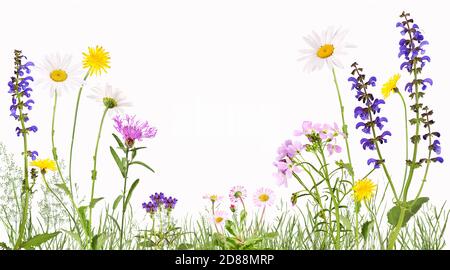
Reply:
x=219 y=218
x=58 y=73
x=325 y=49
x=111 y=98
x=264 y=197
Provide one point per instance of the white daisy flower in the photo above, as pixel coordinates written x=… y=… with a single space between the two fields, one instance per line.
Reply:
x=58 y=73
x=325 y=49
x=111 y=98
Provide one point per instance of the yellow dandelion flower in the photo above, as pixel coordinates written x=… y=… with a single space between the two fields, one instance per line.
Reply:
x=44 y=164
x=364 y=189
x=97 y=60
x=390 y=86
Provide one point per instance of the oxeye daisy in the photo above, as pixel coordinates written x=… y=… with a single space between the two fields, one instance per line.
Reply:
x=364 y=190
x=44 y=165
x=325 y=49
x=264 y=197
x=111 y=98
x=390 y=86
x=58 y=73
x=96 y=60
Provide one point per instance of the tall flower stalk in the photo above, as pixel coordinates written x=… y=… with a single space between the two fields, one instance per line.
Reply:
x=411 y=48
x=74 y=127
x=325 y=50
x=370 y=121
x=111 y=99
x=96 y=61
x=132 y=130
x=20 y=90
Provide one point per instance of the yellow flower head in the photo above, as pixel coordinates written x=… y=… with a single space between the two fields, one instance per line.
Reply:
x=363 y=189
x=390 y=86
x=325 y=51
x=44 y=164
x=97 y=60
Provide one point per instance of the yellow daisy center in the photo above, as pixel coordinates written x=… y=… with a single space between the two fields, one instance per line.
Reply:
x=96 y=60
x=218 y=219
x=58 y=75
x=390 y=86
x=263 y=197
x=325 y=51
x=363 y=189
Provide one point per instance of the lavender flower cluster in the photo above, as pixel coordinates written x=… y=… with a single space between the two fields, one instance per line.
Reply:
x=20 y=90
x=411 y=49
x=159 y=201
x=368 y=112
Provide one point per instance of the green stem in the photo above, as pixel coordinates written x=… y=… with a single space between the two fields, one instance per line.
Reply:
x=405 y=112
x=243 y=204
x=55 y=157
x=262 y=217
x=335 y=202
x=124 y=199
x=367 y=175
x=74 y=129
x=345 y=131
x=357 y=228
x=416 y=144
x=424 y=178
x=94 y=170
x=344 y=125
x=380 y=157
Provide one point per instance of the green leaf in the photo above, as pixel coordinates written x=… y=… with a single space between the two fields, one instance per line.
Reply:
x=4 y=246
x=271 y=235
x=97 y=241
x=84 y=222
x=142 y=164
x=38 y=240
x=346 y=222
x=115 y=222
x=138 y=148
x=130 y=192
x=117 y=160
x=74 y=235
x=64 y=187
x=229 y=226
x=411 y=208
x=184 y=246
x=94 y=202
x=119 y=142
x=116 y=202
x=366 y=228
x=147 y=243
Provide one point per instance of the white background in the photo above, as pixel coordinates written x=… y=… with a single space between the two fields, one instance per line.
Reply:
x=221 y=82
